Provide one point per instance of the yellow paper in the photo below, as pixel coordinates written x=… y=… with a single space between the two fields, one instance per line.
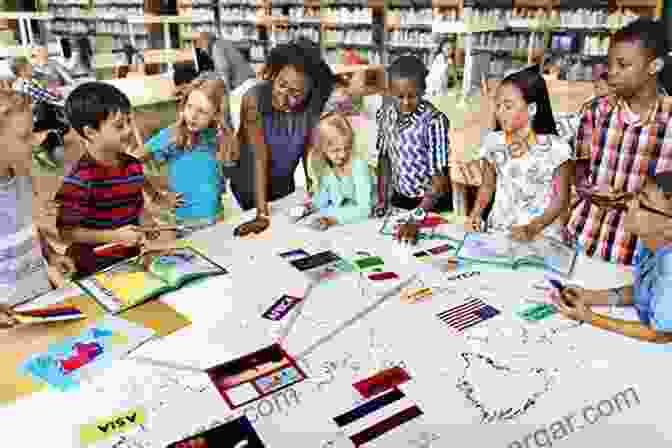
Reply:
x=107 y=427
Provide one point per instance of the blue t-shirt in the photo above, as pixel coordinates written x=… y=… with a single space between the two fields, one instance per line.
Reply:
x=653 y=287
x=195 y=172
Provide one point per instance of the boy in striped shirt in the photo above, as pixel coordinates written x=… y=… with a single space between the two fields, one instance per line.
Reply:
x=102 y=196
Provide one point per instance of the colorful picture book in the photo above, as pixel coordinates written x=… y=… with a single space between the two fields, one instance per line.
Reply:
x=62 y=364
x=255 y=376
x=128 y=283
x=237 y=433
x=498 y=248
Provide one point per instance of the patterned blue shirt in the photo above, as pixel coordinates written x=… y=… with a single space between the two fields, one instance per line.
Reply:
x=422 y=148
x=653 y=287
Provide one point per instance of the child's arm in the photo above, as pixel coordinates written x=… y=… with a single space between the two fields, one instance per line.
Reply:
x=485 y=191
x=363 y=200
x=630 y=328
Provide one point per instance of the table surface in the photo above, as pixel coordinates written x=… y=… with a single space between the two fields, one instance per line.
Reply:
x=504 y=360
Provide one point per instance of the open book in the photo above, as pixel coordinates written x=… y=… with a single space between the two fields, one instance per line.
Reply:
x=127 y=284
x=498 y=248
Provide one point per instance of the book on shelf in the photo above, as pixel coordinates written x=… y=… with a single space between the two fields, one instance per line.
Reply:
x=498 y=248
x=132 y=282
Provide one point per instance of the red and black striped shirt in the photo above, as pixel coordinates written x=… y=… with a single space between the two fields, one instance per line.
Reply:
x=97 y=196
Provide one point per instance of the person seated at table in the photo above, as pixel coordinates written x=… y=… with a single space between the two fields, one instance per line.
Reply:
x=101 y=199
x=344 y=185
x=27 y=269
x=619 y=134
x=194 y=149
x=651 y=294
x=524 y=162
x=277 y=117
x=413 y=148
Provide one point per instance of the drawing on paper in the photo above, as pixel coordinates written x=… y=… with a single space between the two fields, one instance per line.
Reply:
x=61 y=365
x=500 y=392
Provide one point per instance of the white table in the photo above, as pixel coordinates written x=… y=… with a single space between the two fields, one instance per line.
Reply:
x=583 y=365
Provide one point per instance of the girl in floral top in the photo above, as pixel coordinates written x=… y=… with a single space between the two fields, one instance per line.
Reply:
x=524 y=161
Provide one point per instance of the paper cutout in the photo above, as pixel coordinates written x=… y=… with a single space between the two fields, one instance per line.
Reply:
x=107 y=427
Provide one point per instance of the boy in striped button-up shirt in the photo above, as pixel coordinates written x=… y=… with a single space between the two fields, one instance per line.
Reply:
x=413 y=134
x=622 y=134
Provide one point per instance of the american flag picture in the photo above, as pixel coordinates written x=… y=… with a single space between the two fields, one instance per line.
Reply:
x=468 y=314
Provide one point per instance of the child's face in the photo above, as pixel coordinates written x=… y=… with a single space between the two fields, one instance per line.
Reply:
x=198 y=111
x=113 y=136
x=511 y=108
x=337 y=147
x=407 y=93
x=629 y=67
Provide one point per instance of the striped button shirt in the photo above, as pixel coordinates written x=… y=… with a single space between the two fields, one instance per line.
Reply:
x=620 y=146
x=422 y=149
x=102 y=197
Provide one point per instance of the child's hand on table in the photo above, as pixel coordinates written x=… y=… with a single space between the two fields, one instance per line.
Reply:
x=61 y=268
x=408 y=233
x=526 y=232
x=572 y=302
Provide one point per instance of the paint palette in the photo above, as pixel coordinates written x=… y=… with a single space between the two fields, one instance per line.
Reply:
x=255 y=376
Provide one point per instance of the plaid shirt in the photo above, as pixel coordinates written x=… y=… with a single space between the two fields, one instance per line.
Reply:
x=620 y=146
x=36 y=92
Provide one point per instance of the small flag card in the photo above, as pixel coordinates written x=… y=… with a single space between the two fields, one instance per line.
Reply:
x=381 y=382
x=473 y=311
x=377 y=417
x=49 y=314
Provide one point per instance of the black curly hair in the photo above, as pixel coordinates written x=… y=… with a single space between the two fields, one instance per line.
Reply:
x=305 y=56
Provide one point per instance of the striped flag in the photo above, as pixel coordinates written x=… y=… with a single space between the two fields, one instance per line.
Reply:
x=377 y=417
x=468 y=314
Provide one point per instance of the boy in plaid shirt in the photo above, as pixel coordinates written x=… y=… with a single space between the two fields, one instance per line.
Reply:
x=621 y=134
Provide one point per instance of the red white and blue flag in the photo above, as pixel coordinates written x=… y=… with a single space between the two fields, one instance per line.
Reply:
x=473 y=311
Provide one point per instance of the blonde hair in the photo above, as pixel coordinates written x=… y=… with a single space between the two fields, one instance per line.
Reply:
x=213 y=89
x=317 y=160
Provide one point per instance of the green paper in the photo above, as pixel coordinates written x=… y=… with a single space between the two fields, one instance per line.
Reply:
x=369 y=262
x=538 y=312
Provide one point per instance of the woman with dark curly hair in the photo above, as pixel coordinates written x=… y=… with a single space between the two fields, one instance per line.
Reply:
x=277 y=118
